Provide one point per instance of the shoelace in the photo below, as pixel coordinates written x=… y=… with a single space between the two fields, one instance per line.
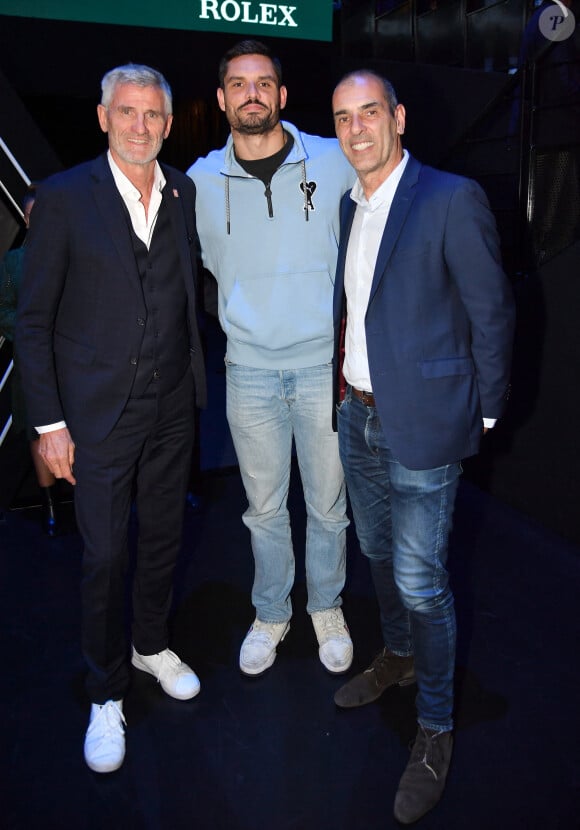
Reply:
x=261 y=638
x=264 y=633
x=169 y=662
x=378 y=663
x=424 y=754
x=332 y=624
x=112 y=716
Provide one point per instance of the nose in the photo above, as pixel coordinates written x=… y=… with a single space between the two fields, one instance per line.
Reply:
x=140 y=123
x=253 y=89
x=356 y=124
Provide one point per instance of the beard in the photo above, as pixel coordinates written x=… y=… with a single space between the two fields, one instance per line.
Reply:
x=133 y=155
x=255 y=123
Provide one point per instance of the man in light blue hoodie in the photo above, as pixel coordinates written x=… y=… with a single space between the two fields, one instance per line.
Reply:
x=267 y=208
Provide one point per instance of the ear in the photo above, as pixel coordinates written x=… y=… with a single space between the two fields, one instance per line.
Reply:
x=283 y=97
x=221 y=99
x=103 y=119
x=400 y=116
x=168 y=126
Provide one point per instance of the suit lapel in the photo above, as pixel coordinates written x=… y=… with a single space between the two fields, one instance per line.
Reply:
x=175 y=205
x=400 y=207
x=110 y=205
x=347 y=211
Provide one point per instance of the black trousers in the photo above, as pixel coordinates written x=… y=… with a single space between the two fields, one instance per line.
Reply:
x=147 y=454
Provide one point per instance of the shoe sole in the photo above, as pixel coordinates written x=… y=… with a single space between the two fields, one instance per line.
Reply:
x=106 y=768
x=335 y=672
x=332 y=669
x=248 y=672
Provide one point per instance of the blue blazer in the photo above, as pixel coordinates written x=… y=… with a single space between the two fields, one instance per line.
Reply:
x=439 y=323
x=81 y=300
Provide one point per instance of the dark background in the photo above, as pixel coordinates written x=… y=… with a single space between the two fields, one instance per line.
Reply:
x=450 y=62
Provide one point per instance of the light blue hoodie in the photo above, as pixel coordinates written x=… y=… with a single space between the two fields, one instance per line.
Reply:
x=275 y=274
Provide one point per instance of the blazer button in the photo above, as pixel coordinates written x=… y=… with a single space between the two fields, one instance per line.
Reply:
x=140 y=321
x=133 y=361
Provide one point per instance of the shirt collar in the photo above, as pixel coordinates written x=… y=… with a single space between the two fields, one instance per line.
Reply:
x=385 y=192
x=125 y=187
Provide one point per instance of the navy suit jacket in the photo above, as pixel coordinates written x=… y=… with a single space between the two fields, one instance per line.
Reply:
x=81 y=306
x=440 y=317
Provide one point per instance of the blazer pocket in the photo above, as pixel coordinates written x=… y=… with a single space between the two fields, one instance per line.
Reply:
x=408 y=253
x=447 y=366
x=73 y=351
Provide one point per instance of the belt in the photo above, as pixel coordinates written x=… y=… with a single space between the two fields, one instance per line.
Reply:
x=366 y=397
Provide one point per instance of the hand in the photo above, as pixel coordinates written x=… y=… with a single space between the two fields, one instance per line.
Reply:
x=485 y=430
x=58 y=451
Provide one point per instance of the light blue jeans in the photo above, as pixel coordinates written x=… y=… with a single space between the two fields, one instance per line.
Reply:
x=266 y=409
x=403 y=519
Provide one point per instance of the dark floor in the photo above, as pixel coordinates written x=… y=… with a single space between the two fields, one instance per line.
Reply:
x=274 y=753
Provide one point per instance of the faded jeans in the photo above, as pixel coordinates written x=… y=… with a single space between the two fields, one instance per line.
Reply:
x=266 y=410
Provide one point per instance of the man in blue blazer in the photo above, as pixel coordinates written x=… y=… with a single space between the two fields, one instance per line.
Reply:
x=112 y=367
x=423 y=318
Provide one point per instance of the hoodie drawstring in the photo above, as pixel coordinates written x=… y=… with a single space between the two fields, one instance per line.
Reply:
x=268 y=196
x=304 y=188
x=228 y=205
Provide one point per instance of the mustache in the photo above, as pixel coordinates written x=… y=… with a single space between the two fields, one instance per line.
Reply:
x=253 y=102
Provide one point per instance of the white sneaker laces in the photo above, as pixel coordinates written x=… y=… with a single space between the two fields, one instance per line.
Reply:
x=169 y=663
x=332 y=624
x=108 y=719
x=263 y=633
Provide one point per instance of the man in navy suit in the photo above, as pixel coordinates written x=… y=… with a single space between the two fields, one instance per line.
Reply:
x=424 y=319
x=112 y=367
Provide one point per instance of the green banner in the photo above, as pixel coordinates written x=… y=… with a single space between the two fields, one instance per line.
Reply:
x=306 y=19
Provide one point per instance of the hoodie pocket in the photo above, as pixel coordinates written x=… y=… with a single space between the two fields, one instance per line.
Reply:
x=277 y=311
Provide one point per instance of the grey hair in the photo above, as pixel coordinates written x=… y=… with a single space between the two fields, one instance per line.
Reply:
x=139 y=75
x=388 y=88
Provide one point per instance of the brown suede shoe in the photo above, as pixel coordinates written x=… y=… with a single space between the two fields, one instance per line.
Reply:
x=423 y=781
x=387 y=669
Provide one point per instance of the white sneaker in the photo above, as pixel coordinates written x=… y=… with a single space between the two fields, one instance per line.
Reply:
x=335 y=650
x=176 y=678
x=105 y=738
x=258 y=650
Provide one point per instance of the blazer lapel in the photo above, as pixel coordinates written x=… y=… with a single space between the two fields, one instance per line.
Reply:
x=347 y=211
x=110 y=205
x=176 y=206
x=400 y=207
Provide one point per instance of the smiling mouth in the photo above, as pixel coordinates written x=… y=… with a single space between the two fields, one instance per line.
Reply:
x=361 y=145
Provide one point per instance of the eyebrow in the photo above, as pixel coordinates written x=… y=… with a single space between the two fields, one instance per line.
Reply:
x=244 y=77
x=361 y=108
x=133 y=108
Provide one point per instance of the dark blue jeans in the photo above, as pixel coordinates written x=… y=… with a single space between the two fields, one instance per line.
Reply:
x=403 y=519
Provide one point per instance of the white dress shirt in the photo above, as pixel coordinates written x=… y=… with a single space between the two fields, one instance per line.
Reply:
x=366 y=233
x=143 y=225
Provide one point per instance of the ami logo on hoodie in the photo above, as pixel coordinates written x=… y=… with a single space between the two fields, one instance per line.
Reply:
x=308 y=189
